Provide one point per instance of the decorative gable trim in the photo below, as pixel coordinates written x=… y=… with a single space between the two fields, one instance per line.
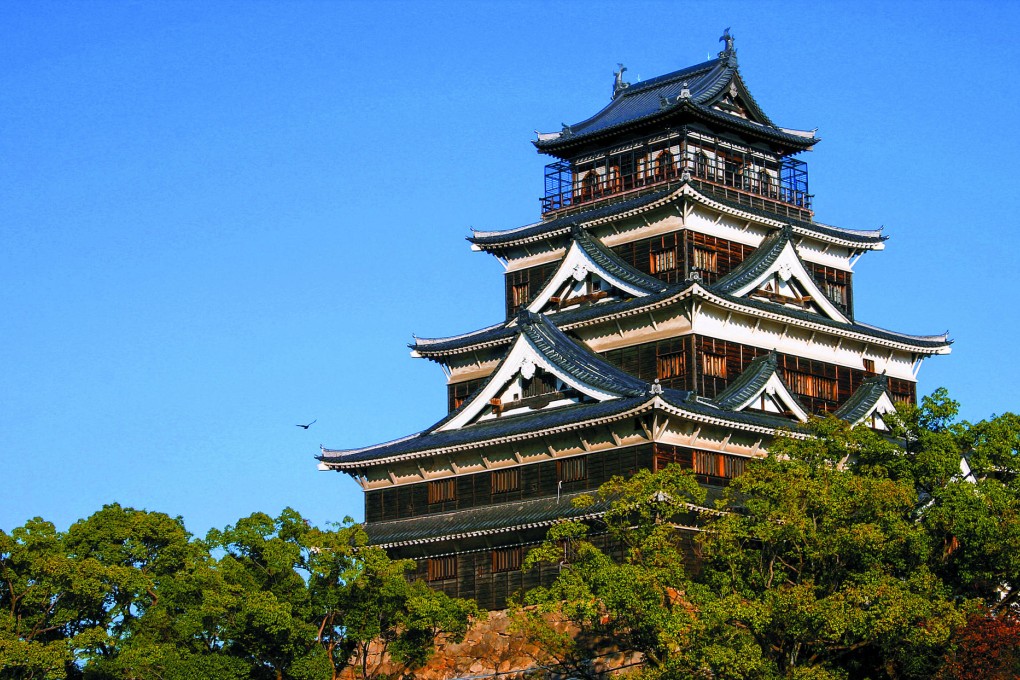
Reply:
x=779 y=276
x=589 y=273
x=762 y=388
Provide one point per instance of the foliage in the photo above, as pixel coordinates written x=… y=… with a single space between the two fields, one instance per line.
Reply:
x=850 y=554
x=130 y=594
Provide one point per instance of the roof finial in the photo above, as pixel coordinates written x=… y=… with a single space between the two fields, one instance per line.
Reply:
x=685 y=90
x=728 y=39
x=656 y=387
x=619 y=86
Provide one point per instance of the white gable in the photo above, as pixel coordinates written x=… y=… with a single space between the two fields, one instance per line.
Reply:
x=873 y=418
x=506 y=385
x=788 y=279
x=578 y=278
x=774 y=397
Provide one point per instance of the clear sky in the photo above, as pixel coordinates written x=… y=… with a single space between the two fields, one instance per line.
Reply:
x=218 y=220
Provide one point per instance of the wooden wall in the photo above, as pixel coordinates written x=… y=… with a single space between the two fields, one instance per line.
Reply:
x=536 y=480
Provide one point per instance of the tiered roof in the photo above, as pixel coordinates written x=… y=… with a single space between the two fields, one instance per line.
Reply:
x=698 y=92
x=777 y=253
x=500 y=241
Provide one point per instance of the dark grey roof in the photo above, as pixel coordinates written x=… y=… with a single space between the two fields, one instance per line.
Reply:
x=487 y=519
x=687 y=401
x=576 y=360
x=497 y=241
x=486 y=430
x=494 y=240
x=919 y=341
x=615 y=265
x=750 y=382
x=755 y=264
x=503 y=333
x=563 y=353
x=661 y=97
x=867 y=236
x=863 y=399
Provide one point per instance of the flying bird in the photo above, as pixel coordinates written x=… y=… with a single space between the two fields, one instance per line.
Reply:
x=308 y=425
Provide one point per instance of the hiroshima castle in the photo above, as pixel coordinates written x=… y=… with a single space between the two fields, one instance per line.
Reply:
x=677 y=302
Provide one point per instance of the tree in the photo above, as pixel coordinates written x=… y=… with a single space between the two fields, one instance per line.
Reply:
x=849 y=554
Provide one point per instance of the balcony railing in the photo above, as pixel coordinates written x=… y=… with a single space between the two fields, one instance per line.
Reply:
x=781 y=188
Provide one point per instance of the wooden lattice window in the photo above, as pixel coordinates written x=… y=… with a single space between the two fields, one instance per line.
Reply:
x=664 y=165
x=869 y=365
x=662 y=261
x=503 y=481
x=590 y=186
x=506 y=559
x=572 y=469
x=442 y=490
x=706 y=260
x=718 y=465
x=442 y=568
x=836 y=292
x=520 y=293
x=811 y=385
x=671 y=365
x=539 y=384
x=713 y=365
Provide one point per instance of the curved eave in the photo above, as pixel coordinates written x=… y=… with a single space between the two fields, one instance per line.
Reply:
x=672 y=402
x=497 y=242
x=566 y=320
x=864 y=333
x=561 y=146
x=357 y=459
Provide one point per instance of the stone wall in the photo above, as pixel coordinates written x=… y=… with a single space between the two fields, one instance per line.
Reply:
x=491 y=650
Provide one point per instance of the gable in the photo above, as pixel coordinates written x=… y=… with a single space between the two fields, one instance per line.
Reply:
x=774 y=397
x=786 y=281
x=543 y=369
x=581 y=278
x=873 y=417
x=735 y=100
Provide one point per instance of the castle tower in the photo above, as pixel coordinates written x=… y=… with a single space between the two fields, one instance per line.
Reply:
x=676 y=302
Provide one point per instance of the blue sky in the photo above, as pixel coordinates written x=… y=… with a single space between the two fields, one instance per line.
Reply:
x=218 y=220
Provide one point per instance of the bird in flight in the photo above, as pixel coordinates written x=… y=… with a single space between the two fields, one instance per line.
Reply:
x=308 y=425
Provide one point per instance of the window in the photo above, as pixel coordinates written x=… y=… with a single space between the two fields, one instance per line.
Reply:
x=572 y=469
x=869 y=365
x=662 y=261
x=442 y=568
x=901 y=398
x=811 y=385
x=442 y=490
x=590 y=186
x=502 y=481
x=520 y=293
x=539 y=384
x=664 y=166
x=506 y=559
x=836 y=292
x=713 y=365
x=718 y=465
x=613 y=181
x=706 y=260
x=671 y=365
x=701 y=164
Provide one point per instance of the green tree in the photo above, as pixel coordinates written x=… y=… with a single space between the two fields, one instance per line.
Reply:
x=848 y=554
x=359 y=597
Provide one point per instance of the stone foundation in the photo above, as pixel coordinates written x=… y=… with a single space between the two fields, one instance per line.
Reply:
x=491 y=650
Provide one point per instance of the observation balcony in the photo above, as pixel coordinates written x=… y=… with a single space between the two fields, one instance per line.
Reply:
x=746 y=177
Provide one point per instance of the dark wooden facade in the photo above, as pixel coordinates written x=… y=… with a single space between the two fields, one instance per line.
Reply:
x=671 y=258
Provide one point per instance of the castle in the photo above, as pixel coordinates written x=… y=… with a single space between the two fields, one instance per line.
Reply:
x=676 y=302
